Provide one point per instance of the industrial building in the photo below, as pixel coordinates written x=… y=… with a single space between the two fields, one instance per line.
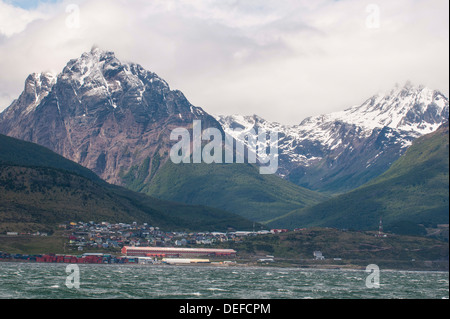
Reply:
x=176 y=252
x=179 y=261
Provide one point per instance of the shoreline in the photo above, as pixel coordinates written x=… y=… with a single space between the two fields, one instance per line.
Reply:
x=350 y=267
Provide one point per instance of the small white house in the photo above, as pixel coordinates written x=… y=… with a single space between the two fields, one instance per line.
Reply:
x=266 y=260
x=318 y=255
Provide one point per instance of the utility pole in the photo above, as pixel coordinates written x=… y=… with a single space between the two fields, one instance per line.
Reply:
x=380 y=229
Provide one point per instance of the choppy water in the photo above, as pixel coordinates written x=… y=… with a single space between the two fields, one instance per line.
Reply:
x=21 y=280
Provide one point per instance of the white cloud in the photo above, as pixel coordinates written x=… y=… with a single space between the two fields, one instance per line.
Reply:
x=14 y=20
x=284 y=60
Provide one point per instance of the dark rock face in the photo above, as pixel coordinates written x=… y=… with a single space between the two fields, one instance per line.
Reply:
x=102 y=114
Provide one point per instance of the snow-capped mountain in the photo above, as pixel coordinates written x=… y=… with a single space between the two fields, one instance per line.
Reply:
x=37 y=87
x=418 y=110
x=108 y=116
x=340 y=151
x=115 y=118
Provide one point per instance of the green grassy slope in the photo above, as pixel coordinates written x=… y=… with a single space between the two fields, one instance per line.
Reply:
x=357 y=248
x=36 y=196
x=237 y=188
x=415 y=190
x=18 y=152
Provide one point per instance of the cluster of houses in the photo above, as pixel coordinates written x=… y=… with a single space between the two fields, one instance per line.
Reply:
x=104 y=235
x=107 y=235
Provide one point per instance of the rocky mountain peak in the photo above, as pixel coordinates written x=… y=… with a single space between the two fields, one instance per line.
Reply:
x=106 y=115
x=37 y=87
x=341 y=150
x=416 y=109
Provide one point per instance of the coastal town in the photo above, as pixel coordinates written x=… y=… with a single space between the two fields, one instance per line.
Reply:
x=105 y=235
x=108 y=243
x=102 y=242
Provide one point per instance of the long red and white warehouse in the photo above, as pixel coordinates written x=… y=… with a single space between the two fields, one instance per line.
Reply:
x=176 y=252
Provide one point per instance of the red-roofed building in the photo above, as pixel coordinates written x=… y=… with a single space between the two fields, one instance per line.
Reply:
x=176 y=252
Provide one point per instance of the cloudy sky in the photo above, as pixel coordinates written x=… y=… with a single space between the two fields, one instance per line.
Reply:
x=284 y=60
